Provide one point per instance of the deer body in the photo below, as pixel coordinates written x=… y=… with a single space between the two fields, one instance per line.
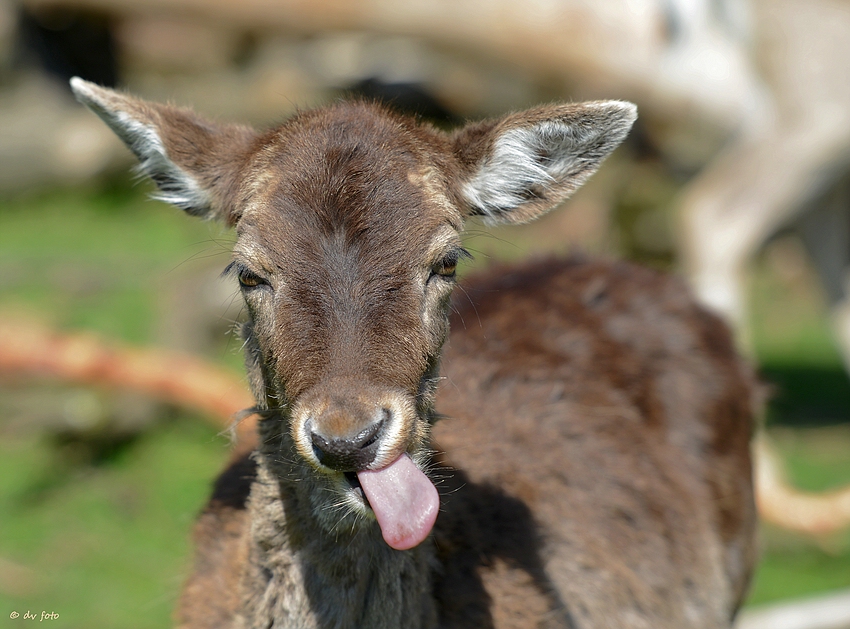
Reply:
x=593 y=470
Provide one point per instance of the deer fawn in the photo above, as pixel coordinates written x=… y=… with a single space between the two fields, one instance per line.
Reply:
x=591 y=446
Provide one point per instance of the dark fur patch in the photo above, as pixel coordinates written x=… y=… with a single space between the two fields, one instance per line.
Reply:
x=233 y=486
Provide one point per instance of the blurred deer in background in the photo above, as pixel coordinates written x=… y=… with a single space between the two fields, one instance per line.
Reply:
x=787 y=164
x=591 y=446
x=766 y=75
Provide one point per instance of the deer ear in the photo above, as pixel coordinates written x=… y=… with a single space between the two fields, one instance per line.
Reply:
x=195 y=163
x=520 y=166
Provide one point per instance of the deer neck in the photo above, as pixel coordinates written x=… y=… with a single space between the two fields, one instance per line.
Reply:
x=303 y=575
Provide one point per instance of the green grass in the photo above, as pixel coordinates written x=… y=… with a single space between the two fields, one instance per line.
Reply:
x=105 y=546
x=817 y=460
x=798 y=571
x=94 y=260
x=104 y=542
x=807 y=417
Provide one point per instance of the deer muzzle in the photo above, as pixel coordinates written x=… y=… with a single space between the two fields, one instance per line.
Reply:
x=365 y=431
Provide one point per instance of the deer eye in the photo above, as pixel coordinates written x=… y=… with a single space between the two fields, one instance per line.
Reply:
x=447 y=266
x=247 y=279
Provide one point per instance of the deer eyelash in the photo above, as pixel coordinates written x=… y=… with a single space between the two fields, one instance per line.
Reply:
x=247 y=278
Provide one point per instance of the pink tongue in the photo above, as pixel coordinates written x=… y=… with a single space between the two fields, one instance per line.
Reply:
x=405 y=502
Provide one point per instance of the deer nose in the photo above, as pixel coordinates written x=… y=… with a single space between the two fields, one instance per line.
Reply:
x=349 y=454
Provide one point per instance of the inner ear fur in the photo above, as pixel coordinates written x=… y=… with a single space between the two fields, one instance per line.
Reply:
x=194 y=162
x=520 y=166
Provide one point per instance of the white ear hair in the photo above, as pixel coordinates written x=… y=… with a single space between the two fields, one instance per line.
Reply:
x=193 y=161
x=533 y=165
x=176 y=186
x=138 y=132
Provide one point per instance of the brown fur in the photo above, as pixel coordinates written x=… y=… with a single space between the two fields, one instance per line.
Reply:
x=602 y=447
x=619 y=414
x=593 y=461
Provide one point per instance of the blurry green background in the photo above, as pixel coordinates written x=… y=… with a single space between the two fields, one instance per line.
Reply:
x=97 y=509
x=99 y=489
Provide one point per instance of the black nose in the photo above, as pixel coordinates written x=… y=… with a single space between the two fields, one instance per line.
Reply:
x=350 y=454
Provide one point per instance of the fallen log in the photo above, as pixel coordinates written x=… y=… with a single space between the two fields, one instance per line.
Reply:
x=617 y=47
x=33 y=351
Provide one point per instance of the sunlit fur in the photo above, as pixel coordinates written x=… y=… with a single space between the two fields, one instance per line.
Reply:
x=596 y=471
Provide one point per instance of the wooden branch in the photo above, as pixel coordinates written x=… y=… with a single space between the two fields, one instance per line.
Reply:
x=781 y=504
x=33 y=351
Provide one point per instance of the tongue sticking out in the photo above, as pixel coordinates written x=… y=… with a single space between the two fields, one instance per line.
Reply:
x=404 y=500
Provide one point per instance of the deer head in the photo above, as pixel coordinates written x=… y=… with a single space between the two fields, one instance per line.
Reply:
x=348 y=223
